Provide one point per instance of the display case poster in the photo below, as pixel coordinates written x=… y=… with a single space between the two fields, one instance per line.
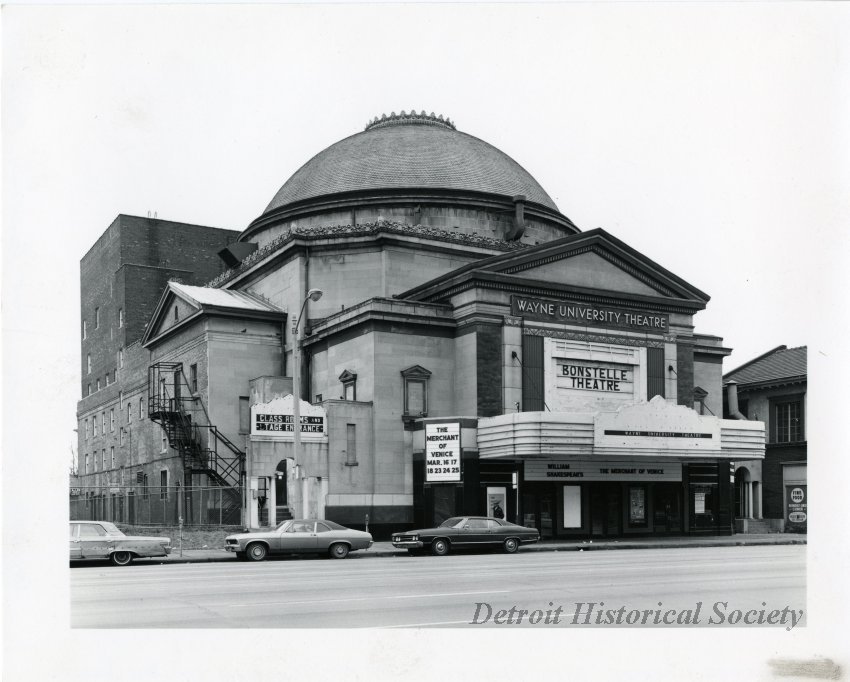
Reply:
x=637 y=505
x=497 y=502
x=797 y=503
x=442 y=452
x=699 y=503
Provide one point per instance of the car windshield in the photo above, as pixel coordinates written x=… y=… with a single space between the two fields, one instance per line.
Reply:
x=110 y=528
x=453 y=522
x=282 y=525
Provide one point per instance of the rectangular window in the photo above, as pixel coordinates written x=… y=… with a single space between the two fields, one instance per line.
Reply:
x=415 y=397
x=141 y=408
x=88 y=363
x=112 y=455
x=654 y=372
x=318 y=397
x=98 y=384
x=163 y=485
x=88 y=390
x=164 y=441
x=120 y=317
x=193 y=378
x=121 y=435
x=244 y=415
x=572 y=506
x=129 y=411
x=103 y=459
x=788 y=419
x=112 y=419
x=103 y=422
x=94 y=425
x=349 y=392
x=107 y=378
x=532 y=374
x=87 y=429
x=87 y=463
x=85 y=330
x=120 y=358
x=96 y=318
x=350 y=444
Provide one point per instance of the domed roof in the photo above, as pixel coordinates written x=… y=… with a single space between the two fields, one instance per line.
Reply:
x=410 y=151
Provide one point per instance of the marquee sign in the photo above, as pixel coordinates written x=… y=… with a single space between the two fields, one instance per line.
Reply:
x=587 y=376
x=583 y=314
x=442 y=452
x=275 y=419
x=576 y=471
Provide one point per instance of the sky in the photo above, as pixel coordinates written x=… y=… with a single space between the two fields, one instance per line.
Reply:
x=711 y=137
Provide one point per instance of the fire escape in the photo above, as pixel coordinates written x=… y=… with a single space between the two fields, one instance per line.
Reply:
x=203 y=448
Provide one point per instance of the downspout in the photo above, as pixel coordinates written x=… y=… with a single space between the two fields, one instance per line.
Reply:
x=732 y=400
x=519 y=218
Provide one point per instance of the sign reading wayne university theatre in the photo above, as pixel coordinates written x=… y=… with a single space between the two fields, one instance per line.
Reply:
x=442 y=452
x=565 y=312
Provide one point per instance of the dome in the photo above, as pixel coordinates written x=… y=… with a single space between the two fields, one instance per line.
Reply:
x=410 y=151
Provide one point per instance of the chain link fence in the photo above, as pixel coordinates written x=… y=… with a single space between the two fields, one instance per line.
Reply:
x=159 y=505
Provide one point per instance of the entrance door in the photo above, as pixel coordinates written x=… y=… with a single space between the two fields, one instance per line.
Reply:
x=667 y=508
x=538 y=510
x=606 y=511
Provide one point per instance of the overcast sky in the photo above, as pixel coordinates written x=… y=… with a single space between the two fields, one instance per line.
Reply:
x=713 y=138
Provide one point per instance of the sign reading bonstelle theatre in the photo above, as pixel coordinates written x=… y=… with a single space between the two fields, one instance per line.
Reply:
x=442 y=452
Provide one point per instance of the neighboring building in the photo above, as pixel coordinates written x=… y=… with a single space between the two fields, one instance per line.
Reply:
x=121 y=280
x=471 y=349
x=772 y=494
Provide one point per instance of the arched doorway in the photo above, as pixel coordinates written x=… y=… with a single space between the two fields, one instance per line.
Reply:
x=743 y=494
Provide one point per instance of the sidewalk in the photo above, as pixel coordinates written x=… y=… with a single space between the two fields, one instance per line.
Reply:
x=385 y=549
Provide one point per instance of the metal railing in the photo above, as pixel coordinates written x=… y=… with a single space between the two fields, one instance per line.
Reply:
x=158 y=505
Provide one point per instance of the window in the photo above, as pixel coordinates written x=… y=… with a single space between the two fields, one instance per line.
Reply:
x=145 y=489
x=103 y=459
x=129 y=411
x=88 y=390
x=96 y=318
x=141 y=408
x=416 y=391
x=121 y=358
x=700 y=394
x=164 y=441
x=112 y=419
x=349 y=385
x=318 y=397
x=91 y=530
x=788 y=421
x=94 y=425
x=98 y=384
x=87 y=463
x=103 y=422
x=351 y=445
x=121 y=435
x=107 y=378
x=193 y=378
x=163 y=485
x=87 y=429
x=112 y=455
x=85 y=330
x=244 y=414
x=88 y=363
x=120 y=317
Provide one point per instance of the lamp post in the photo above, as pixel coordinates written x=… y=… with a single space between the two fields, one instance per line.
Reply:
x=312 y=295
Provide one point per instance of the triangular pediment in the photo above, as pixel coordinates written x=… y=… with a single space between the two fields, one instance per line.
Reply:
x=593 y=261
x=164 y=316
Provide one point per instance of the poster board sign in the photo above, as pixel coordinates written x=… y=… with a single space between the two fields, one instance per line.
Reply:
x=275 y=420
x=497 y=502
x=442 y=452
x=796 y=508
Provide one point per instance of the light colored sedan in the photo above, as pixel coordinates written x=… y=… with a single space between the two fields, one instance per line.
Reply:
x=103 y=540
x=299 y=536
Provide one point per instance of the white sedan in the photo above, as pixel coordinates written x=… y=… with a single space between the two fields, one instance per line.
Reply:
x=103 y=540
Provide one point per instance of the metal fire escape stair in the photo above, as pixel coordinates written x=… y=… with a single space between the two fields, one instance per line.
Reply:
x=185 y=421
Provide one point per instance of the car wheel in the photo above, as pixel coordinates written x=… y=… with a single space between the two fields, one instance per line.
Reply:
x=511 y=545
x=121 y=558
x=256 y=551
x=338 y=550
x=440 y=547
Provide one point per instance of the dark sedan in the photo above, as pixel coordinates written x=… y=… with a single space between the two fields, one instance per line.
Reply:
x=466 y=532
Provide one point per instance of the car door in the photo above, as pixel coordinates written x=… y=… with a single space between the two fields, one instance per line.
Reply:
x=76 y=551
x=300 y=536
x=94 y=541
x=475 y=532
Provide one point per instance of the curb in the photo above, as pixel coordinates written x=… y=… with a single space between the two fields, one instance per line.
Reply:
x=591 y=547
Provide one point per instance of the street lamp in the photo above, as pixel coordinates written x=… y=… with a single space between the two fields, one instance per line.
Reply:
x=312 y=295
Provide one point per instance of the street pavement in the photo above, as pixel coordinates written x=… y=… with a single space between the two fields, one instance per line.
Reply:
x=385 y=549
x=689 y=586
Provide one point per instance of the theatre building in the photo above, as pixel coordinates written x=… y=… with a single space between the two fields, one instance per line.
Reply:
x=457 y=346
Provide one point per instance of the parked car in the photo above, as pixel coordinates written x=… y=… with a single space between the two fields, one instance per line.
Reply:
x=103 y=540
x=299 y=536
x=466 y=532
